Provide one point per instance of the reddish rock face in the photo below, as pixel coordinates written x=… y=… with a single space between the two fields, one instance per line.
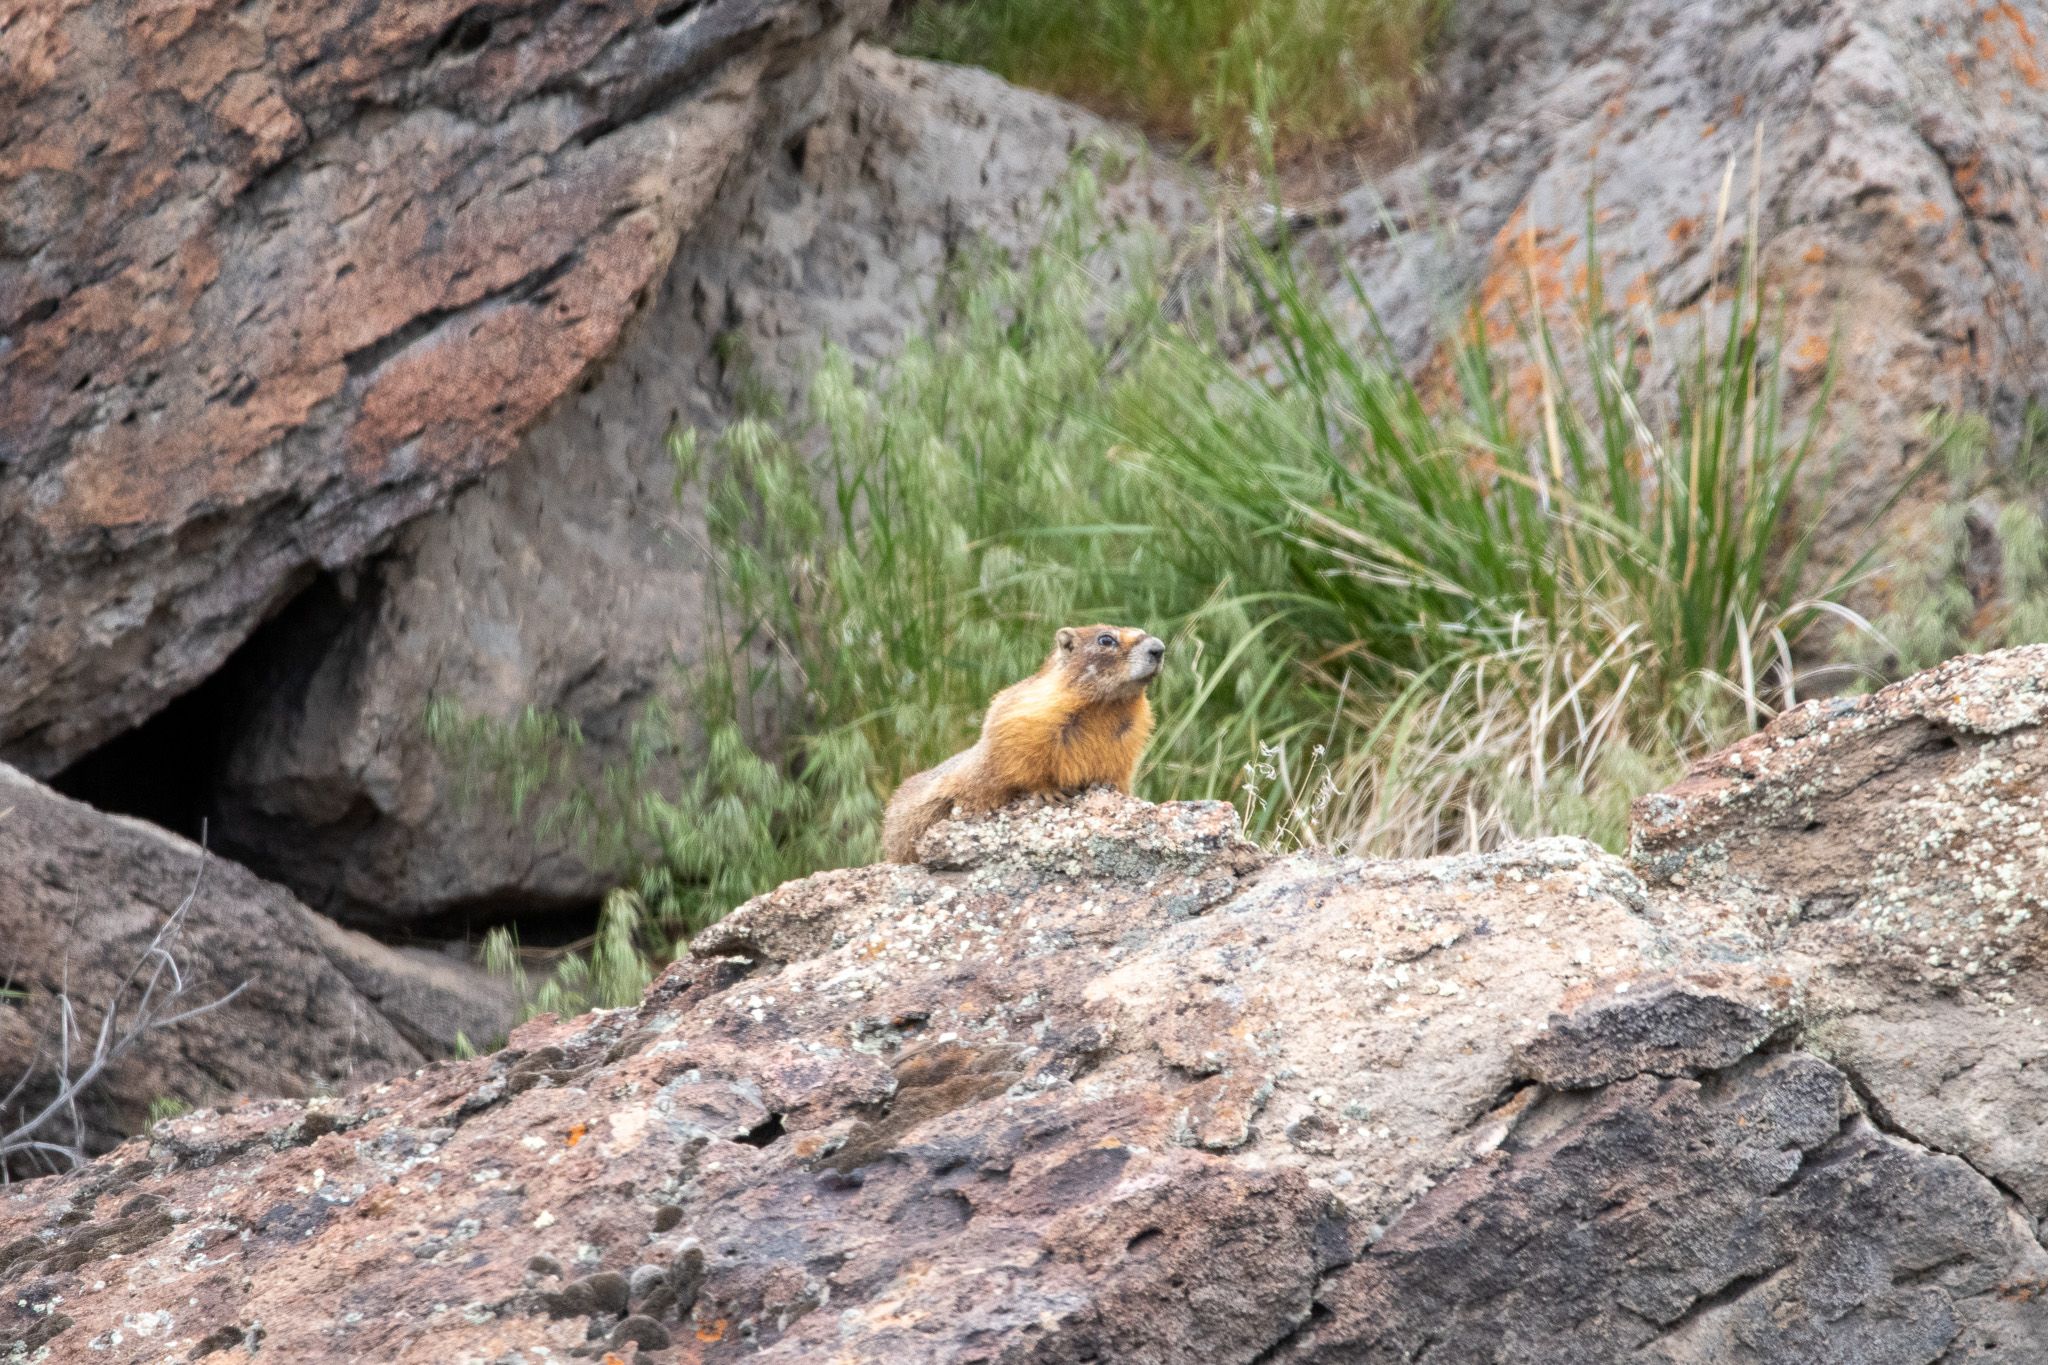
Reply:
x=276 y=278
x=1101 y=1082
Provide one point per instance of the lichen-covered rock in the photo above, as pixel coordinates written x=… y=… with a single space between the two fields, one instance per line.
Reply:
x=571 y=578
x=1919 y=811
x=1100 y=1080
x=1892 y=852
x=1673 y=1027
x=275 y=280
x=321 y=1008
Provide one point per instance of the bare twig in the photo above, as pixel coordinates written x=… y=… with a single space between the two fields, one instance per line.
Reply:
x=149 y=998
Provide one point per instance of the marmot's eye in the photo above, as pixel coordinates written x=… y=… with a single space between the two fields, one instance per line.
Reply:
x=1106 y=641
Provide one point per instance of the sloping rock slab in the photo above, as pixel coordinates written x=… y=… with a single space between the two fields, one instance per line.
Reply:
x=1896 y=845
x=1100 y=1081
x=275 y=280
x=1755 y=1219
x=83 y=894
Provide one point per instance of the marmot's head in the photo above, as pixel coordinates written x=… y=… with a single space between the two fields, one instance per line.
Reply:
x=1108 y=663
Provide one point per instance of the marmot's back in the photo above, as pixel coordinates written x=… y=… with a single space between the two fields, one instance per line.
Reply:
x=1080 y=721
x=921 y=802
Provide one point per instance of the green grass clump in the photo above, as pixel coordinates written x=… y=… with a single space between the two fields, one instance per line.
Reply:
x=164 y=1107
x=1334 y=69
x=1400 y=620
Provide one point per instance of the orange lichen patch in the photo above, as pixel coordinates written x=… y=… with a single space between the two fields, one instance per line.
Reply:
x=576 y=1134
x=1925 y=214
x=1613 y=108
x=1683 y=230
x=1958 y=70
x=2023 y=1291
x=1437 y=378
x=1639 y=292
x=712 y=1331
x=1810 y=355
x=1530 y=264
x=1814 y=254
x=1709 y=130
x=1986 y=49
x=1970 y=185
x=1741 y=103
x=2004 y=10
x=376 y=1204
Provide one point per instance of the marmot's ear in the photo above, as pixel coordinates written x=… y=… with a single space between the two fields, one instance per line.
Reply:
x=1065 y=639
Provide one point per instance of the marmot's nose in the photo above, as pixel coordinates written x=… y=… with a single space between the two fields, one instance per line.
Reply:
x=1154 y=647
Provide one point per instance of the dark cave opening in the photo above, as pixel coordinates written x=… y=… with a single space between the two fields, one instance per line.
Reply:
x=161 y=771
x=172 y=771
x=544 y=925
x=167 y=770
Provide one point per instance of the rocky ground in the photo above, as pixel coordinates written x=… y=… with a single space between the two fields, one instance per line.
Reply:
x=337 y=349
x=1102 y=1081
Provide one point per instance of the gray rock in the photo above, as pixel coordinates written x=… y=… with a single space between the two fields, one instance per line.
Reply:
x=1660 y=1028
x=1758 y=1218
x=642 y=1331
x=1895 y=844
x=1029 y=1105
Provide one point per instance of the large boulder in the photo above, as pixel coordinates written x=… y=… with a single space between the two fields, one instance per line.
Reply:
x=571 y=578
x=1903 y=223
x=1102 y=1081
x=275 y=280
x=320 y=1008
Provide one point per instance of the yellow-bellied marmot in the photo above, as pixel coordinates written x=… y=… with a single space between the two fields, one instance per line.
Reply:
x=1081 y=719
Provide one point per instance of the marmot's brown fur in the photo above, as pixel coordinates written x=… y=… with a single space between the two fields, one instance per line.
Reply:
x=1080 y=720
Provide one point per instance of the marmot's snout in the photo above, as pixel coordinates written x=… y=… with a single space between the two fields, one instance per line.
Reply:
x=1147 y=657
